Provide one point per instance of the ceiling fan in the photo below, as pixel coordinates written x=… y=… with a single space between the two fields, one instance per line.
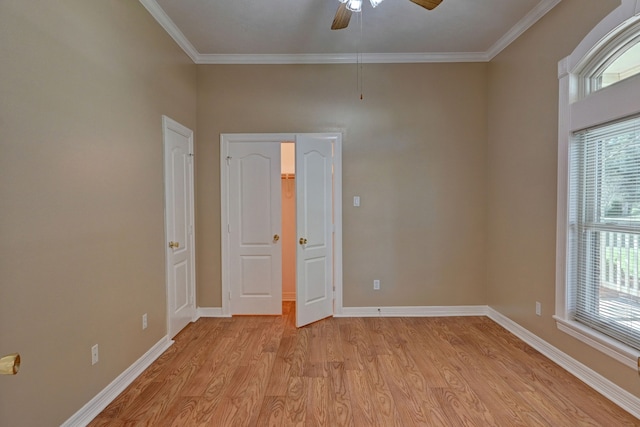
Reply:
x=343 y=15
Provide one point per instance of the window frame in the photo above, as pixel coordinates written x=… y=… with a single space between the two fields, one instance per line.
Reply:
x=625 y=38
x=580 y=108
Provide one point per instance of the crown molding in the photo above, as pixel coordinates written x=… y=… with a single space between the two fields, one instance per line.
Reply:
x=523 y=25
x=342 y=58
x=165 y=22
x=348 y=58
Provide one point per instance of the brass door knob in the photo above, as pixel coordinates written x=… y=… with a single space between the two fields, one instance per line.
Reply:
x=276 y=237
x=174 y=245
x=303 y=241
x=9 y=365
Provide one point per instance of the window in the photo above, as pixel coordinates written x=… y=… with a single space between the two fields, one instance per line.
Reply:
x=598 y=232
x=604 y=230
x=625 y=66
x=617 y=61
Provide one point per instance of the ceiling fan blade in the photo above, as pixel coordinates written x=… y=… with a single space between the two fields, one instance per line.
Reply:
x=428 y=4
x=343 y=15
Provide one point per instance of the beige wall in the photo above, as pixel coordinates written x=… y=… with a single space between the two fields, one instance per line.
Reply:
x=413 y=150
x=522 y=169
x=83 y=85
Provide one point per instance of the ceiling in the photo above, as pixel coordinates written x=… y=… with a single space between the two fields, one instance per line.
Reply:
x=298 y=31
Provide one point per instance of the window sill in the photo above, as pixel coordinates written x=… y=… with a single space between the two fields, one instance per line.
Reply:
x=620 y=352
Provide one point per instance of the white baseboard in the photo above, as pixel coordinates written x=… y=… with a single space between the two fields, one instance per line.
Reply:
x=288 y=296
x=608 y=389
x=414 y=311
x=89 y=411
x=210 y=312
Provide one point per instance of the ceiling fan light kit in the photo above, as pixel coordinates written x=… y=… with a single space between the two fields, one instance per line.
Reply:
x=343 y=15
x=356 y=5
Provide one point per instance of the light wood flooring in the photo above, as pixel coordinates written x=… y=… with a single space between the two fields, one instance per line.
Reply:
x=262 y=371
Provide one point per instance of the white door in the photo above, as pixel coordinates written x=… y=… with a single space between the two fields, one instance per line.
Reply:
x=314 y=224
x=179 y=222
x=255 y=212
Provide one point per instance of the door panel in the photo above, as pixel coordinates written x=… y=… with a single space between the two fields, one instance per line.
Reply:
x=314 y=195
x=178 y=142
x=315 y=268
x=181 y=277
x=254 y=222
x=254 y=269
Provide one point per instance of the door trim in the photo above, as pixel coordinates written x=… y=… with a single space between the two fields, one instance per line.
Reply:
x=168 y=123
x=225 y=140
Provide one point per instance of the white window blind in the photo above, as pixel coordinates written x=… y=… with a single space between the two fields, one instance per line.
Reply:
x=604 y=230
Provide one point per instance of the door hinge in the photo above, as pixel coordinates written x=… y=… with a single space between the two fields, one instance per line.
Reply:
x=228 y=228
x=229 y=295
x=228 y=160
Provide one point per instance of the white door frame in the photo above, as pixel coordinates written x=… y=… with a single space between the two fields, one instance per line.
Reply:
x=225 y=140
x=170 y=124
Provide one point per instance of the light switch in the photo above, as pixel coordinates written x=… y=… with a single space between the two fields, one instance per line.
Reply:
x=356 y=201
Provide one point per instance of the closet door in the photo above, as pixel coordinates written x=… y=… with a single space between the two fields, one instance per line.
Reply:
x=314 y=225
x=255 y=262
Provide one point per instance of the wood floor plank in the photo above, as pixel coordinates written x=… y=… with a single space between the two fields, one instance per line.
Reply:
x=263 y=371
x=317 y=401
x=402 y=366
x=317 y=358
x=298 y=357
x=182 y=411
x=547 y=410
x=356 y=344
x=202 y=379
x=243 y=399
x=271 y=412
x=467 y=397
x=379 y=340
x=349 y=347
x=340 y=411
x=274 y=335
x=333 y=343
x=295 y=409
x=386 y=408
x=362 y=400
x=220 y=380
x=454 y=408
x=406 y=401
x=281 y=371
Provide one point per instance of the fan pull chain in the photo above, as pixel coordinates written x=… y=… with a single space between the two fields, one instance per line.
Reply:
x=359 y=57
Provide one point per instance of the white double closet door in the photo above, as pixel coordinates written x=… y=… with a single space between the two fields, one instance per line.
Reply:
x=252 y=249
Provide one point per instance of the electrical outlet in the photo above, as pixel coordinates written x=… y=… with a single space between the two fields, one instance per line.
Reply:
x=144 y=321
x=376 y=285
x=94 y=354
x=538 y=309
